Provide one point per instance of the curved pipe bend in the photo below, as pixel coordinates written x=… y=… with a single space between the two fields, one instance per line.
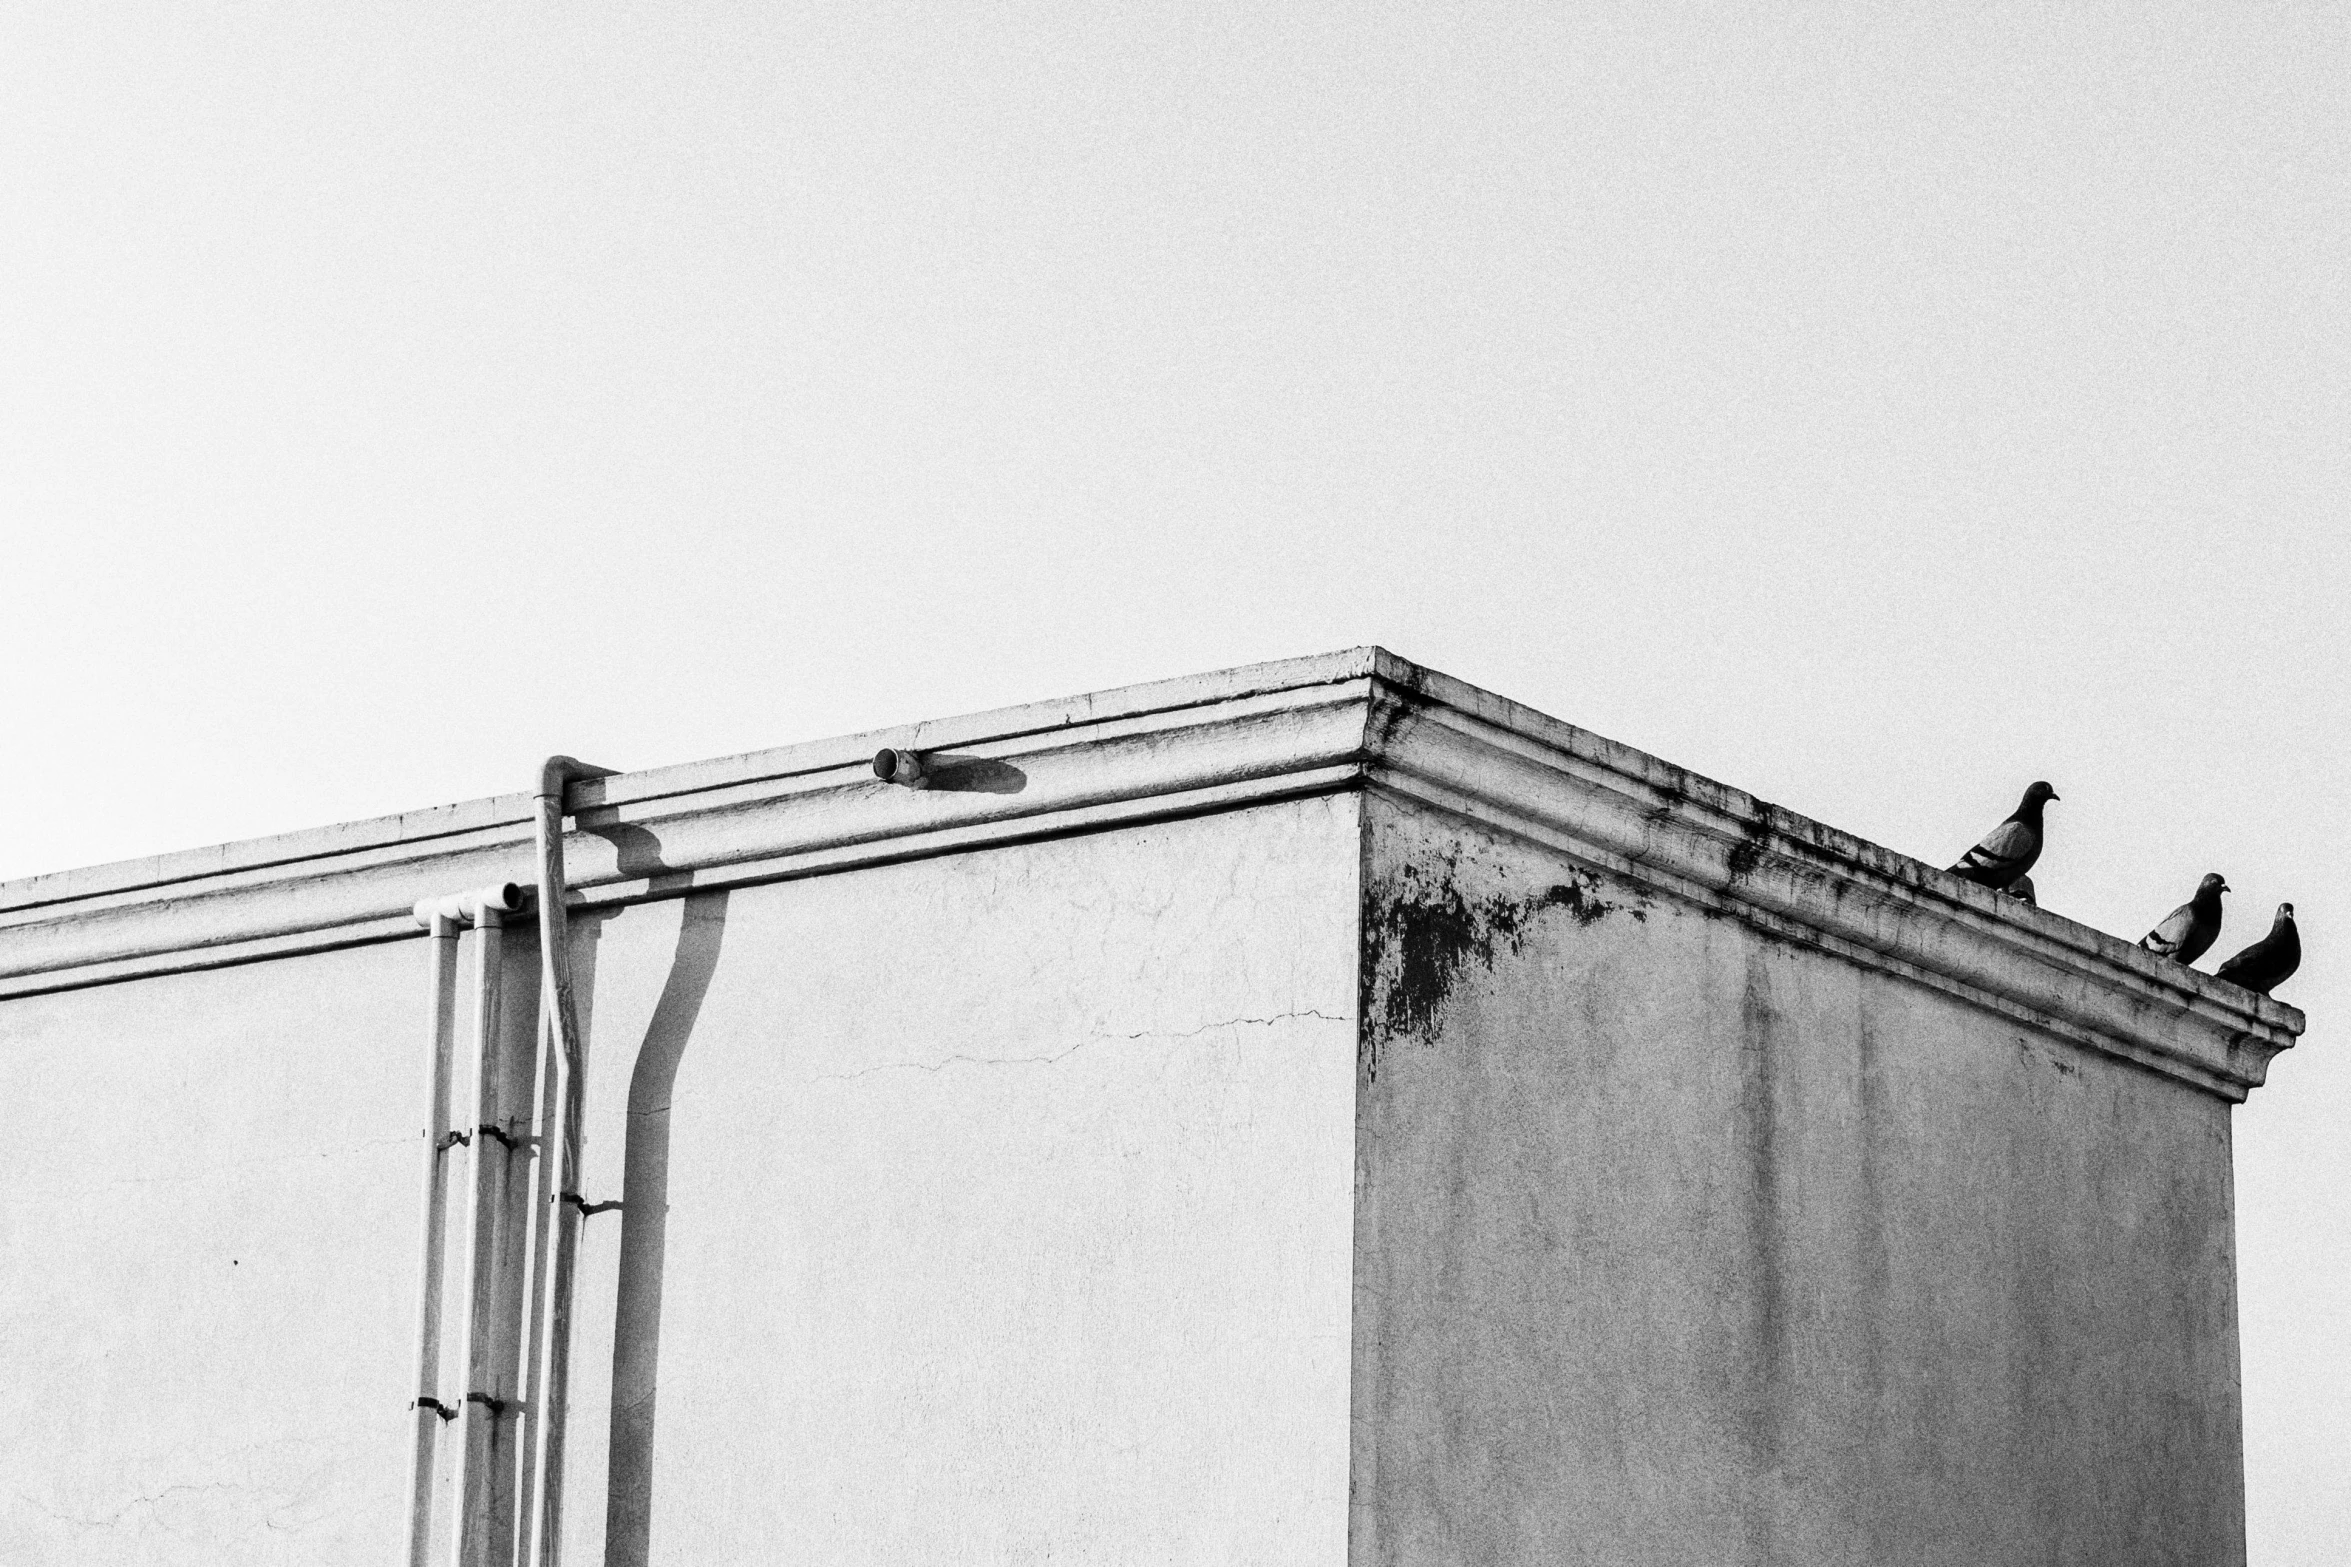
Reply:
x=556 y=774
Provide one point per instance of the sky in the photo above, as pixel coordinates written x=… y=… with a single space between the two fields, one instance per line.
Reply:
x=1872 y=407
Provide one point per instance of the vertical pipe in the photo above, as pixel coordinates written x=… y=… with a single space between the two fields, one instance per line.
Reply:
x=564 y=1214
x=562 y=1146
x=429 y=1405
x=546 y=1213
x=472 y=1542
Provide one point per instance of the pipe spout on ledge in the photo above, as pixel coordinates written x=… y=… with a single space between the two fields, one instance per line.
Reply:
x=547 y=1346
x=894 y=764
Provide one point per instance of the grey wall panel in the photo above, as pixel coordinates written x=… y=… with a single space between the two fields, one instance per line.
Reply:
x=1680 y=1242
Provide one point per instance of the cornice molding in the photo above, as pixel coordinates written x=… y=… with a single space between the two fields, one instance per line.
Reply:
x=1507 y=768
x=1362 y=718
x=1150 y=752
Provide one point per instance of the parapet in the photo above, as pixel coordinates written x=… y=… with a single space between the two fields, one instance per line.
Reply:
x=1363 y=719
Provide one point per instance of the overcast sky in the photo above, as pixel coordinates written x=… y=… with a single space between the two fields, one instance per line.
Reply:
x=1873 y=407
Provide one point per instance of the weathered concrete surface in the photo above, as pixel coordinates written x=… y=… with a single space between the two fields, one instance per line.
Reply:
x=1678 y=1242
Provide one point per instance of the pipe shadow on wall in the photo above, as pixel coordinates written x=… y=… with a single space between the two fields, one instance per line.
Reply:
x=636 y=1344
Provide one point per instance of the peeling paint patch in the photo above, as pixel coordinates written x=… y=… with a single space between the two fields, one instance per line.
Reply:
x=1419 y=932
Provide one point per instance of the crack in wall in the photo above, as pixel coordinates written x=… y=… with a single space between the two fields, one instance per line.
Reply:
x=151 y=1499
x=935 y=1067
x=293 y=1484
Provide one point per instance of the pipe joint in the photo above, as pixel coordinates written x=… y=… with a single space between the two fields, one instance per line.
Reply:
x=475 y=906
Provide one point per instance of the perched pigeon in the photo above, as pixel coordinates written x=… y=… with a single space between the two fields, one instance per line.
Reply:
x=2269 y=962
x=2195 y=925
x=2022 y=889
x=2008 y=850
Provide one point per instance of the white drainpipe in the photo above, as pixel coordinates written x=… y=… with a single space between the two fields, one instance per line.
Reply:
x=531 y=1534
x=442 y=917
x=561 y=1205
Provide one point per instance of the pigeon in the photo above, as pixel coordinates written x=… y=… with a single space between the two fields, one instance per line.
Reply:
x=2269 y=962
x=2195 y=925
x=2008 y=850
x=2021 y=889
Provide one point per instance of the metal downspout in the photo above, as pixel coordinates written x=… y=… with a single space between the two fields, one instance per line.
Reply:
x=550 y=1328
x=474 y=1410
x=443 y=918
x=488 y=1525
x=430 y=1411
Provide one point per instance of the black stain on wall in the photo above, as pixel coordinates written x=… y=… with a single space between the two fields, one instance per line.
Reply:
x=1760 y=1132
x=1420 y=932
x=1403 y=706
x=1747 y=853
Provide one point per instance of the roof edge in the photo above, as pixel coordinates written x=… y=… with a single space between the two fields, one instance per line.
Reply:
x=784 y=761
x=1357 y=718
x=1505 y=767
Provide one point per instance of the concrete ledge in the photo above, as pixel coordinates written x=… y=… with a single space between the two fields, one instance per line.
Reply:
x=1619 y=810
x=1154 y=752
x=423 y=827
x=1362 y=718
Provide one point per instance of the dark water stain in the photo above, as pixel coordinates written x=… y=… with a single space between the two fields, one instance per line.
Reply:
x=1747 y=853
x=1759 y=1128
x=1403 y=706
x=1420 y=932
x=1873 y=1264
x=2035 y=1055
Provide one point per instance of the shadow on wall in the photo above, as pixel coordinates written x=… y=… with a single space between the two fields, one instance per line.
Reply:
x=637 y=852
x=636 y=1346
x=972 y=775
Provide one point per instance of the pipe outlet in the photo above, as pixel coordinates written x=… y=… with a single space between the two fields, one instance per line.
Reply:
x=891 y=765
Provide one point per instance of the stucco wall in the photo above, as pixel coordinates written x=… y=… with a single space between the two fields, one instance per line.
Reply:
x=1008 y=1202
x=974 y=1207
x=208 y=1263
x=1678 y=1243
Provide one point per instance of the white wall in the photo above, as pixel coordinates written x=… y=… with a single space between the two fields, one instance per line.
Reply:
x=1008 y=1198
x=208 y=1263
x=974 y=1207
